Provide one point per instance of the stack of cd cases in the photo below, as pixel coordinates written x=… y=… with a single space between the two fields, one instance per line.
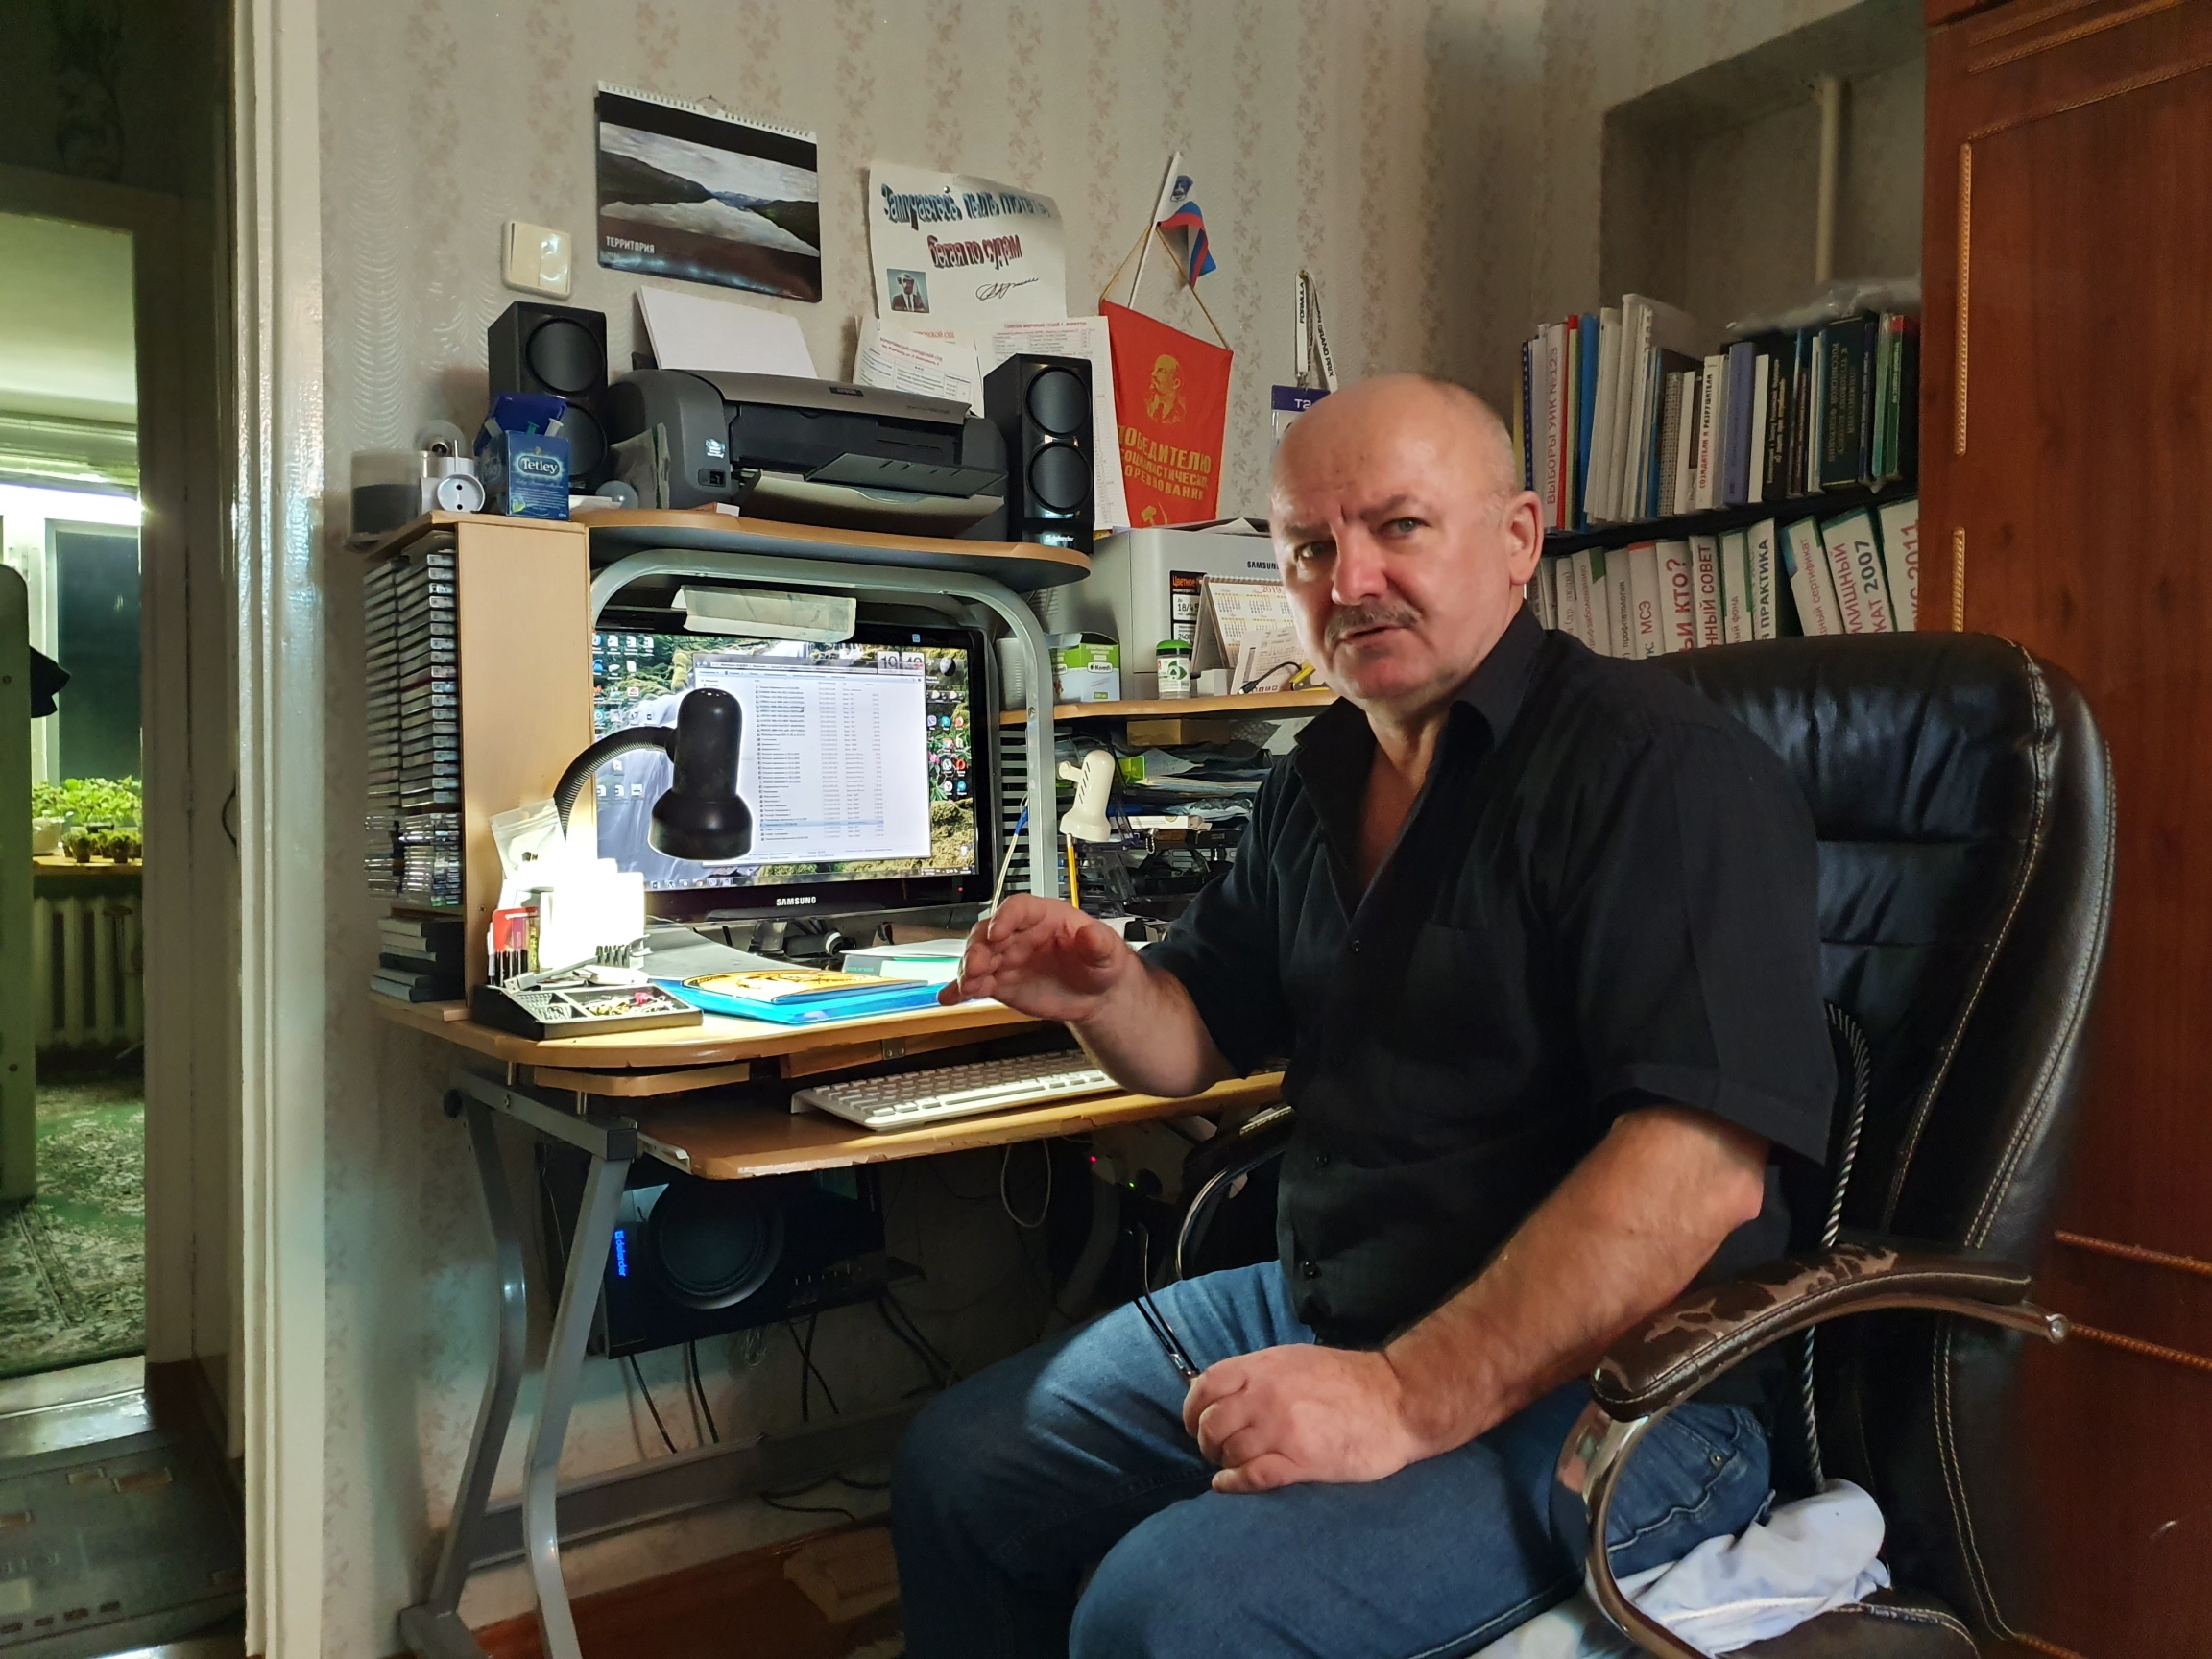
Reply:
x=415 y=726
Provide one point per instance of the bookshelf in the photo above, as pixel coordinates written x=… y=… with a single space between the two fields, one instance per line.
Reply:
x=1828 y=504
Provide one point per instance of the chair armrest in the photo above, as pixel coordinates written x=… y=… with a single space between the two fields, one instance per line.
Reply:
x=1211 y=1167
x=1678 y=1351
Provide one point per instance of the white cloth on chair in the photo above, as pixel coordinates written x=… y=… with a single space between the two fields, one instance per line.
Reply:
x=1803 y=1559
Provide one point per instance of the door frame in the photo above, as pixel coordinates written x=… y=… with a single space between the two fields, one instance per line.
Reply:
x=277 y=481
x=185 y=724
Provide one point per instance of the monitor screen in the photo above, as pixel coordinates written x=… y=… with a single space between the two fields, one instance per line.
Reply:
x=859 y=760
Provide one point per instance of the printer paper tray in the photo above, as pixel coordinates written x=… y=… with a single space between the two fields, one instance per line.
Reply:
x=781 y=496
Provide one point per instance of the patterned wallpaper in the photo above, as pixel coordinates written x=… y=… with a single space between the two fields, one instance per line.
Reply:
x=1435 y=162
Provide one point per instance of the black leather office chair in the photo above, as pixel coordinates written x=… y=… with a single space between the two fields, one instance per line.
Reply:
x=1963 y=802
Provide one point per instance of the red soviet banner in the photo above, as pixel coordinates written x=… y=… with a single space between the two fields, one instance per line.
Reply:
x=1172 y=396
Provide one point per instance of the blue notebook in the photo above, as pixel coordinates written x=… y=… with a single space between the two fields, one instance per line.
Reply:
x=879 y=998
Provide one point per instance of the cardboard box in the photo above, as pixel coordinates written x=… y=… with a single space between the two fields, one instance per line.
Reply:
x=1088 y=671
x=525 y=474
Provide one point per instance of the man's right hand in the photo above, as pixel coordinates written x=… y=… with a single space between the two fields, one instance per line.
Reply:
x=1044 y=958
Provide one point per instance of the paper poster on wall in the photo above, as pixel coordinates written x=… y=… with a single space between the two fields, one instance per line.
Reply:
x=684 y=192
x=953 y=252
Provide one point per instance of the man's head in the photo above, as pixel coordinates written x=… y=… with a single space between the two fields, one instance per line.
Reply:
x=1402 y=534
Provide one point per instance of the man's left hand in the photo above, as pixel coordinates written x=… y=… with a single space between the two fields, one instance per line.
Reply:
x=1283 y=1415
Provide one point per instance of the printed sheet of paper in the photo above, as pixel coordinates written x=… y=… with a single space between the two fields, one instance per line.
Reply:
x=699 y=331
x=1082 y=337
x=940 y=364
x=963 y=252
x=1272 y=659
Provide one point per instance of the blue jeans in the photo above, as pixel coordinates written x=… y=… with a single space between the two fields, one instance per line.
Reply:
x=1014 y=1484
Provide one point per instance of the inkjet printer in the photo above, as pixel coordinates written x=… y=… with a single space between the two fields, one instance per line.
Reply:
x=816 y=451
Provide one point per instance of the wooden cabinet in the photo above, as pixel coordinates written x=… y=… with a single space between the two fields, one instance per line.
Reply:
x=2066 y=456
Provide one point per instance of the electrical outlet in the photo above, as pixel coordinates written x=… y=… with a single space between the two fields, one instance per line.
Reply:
x=536 y=258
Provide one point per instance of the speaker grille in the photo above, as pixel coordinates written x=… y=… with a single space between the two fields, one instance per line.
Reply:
x=713 y=1247
x=1058 y=403
x=564 y=356
x=1059 y=478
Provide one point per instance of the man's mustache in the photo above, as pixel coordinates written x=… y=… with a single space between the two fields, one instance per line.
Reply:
x=1354 y=617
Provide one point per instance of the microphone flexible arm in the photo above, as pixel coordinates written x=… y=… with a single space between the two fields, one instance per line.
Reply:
x=566 y=792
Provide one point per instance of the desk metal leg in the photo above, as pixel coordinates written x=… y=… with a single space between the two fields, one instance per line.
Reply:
x=434 y=1629
x=563 y=1372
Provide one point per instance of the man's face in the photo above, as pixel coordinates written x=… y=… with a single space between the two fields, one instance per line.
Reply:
x=1400 y=545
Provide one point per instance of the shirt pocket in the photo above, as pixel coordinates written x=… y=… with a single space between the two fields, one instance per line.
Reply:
x=1458 y=1003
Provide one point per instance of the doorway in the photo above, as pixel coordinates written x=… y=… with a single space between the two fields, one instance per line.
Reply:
x=73 y=1242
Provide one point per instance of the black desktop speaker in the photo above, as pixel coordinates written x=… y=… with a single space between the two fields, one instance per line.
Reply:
x=1042 y=406
x=561 y=350
x=694 y=1258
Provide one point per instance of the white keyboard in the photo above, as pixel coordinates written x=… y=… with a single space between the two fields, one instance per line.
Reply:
x=955 y=1091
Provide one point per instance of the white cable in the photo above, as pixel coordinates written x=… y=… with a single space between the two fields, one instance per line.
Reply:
x=1013 y=843
x=1006 y=1204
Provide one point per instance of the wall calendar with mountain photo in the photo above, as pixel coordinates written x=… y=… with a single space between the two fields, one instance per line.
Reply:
x=687 y=193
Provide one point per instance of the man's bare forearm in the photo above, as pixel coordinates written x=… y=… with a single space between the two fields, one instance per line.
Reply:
x=1149 y=1038
x=1622 y=1236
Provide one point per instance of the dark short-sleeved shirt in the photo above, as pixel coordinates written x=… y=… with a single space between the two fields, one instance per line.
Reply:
x=1602 y=899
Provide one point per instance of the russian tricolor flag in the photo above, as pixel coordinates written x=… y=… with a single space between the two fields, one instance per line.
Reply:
x=1187 y=226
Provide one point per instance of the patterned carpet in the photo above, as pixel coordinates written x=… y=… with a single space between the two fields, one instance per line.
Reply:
x=73 y=1261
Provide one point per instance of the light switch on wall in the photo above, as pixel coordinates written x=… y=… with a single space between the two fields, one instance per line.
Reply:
x=537 y=260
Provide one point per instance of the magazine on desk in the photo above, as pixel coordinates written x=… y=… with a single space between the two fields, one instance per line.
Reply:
x=799 y=996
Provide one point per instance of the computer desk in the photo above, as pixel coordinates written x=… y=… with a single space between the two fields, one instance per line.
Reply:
x=654 y=1094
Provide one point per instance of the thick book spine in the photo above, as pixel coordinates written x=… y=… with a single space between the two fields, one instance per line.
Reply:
x=1900 y=523
x=1735 y=588
x=1519 y=425
x=1554 y=412
x=1760 y=565
x=1761 y=406
x=1900 y=426
x=1855 y=560
x=1678 y=597
x=1648 y=444
x=1624 y=490
x=1736 y=438
x=1570 y=427
x=1665 y=466
x=1844 y=359
x=1712 y=415
x=1811 y=585
x=1686 y=446
x=1597 y=482
x=1885 y=377
x=1705 y=572
x=1620 y=584
x=1800 y=435
x=1586 y=366
x=1644 y=593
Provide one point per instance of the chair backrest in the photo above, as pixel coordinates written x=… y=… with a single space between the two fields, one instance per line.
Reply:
x=1963 y=801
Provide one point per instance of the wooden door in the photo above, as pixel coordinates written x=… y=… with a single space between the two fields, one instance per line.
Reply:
x=2067 y=465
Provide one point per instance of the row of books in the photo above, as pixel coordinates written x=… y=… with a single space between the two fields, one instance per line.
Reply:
x=1857 y=572
x=1640 y=412
x=419 y=959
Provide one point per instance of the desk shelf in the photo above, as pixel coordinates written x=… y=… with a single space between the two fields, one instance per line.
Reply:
x=723 y=1145
x=1259 y=703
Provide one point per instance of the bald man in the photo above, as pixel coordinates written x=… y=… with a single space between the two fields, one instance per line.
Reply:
x=1535 y=932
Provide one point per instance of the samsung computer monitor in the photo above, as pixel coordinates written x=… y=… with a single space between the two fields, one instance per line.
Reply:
x=867 y=765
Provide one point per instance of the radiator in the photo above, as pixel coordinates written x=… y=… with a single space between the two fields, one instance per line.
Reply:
x=87 y=956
